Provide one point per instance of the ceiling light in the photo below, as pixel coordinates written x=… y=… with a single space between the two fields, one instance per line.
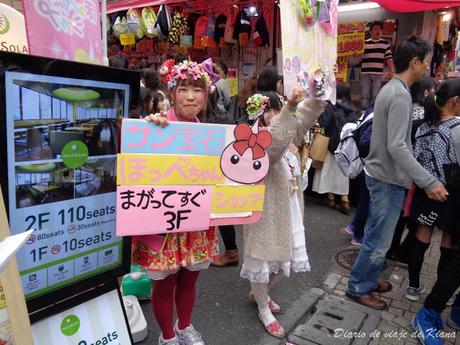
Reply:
x=446 y=17
x=251 y=11
x=358 y=7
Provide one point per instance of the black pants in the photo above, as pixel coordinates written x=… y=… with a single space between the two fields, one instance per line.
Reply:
x=445 y=286
x=228 y=236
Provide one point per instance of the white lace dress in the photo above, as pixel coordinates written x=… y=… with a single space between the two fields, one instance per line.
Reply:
x=258 y=271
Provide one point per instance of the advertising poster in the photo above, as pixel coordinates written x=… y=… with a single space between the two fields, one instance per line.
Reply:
x=350 y=38
x=309 y=36
x=13 y=36
x=189 y=176
x=342 y=69
x=97 y=321
x=62 y=139
x=73 y=29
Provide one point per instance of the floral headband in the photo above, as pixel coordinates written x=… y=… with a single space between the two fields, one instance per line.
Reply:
x=256 y=105
x=171 y=73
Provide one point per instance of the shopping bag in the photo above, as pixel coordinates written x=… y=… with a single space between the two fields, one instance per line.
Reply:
x=318 y=149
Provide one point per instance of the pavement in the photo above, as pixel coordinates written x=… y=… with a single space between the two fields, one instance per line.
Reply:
x=394 y=326
x=315 y=309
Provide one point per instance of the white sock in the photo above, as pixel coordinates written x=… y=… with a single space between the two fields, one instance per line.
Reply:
x=266 y=316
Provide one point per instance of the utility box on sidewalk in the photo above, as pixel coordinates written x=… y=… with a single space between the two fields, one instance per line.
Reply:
x=337 y=321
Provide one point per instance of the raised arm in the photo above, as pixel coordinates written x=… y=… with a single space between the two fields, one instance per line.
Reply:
x=308 y=112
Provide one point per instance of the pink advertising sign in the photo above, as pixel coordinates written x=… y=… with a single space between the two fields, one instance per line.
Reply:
x=68 y=30
x=143 y=210
x=226 y=164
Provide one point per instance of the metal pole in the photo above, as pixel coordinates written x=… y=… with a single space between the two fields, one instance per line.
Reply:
x=105 y=61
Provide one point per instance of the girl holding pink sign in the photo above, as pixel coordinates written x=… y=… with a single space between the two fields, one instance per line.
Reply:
x=174 y=261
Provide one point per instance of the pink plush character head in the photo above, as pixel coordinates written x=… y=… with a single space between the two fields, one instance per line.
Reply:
x=245 y=160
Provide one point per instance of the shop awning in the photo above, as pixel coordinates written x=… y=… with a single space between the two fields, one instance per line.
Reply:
x=415 y=5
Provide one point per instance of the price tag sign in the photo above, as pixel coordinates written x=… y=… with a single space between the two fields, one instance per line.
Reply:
x=127 y=39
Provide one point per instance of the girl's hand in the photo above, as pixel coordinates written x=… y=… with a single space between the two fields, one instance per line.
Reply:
x=159 y=119
x=297 y=96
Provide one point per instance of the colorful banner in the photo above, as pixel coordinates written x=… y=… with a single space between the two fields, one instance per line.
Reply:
x=309 y=36
x=68 y=30
x=218 y=166
x=350 y=38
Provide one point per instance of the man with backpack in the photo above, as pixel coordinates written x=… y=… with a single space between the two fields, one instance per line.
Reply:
x=390 y=168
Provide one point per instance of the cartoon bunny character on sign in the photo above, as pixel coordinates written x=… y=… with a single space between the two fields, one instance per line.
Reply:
x=245 y=160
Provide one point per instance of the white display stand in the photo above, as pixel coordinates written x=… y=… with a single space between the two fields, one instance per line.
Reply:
x=136 y=319
x=17 y=315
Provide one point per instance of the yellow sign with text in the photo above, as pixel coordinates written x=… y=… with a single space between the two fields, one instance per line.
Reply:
x=350 y=38
x=127 y=39
x=229 y=199
x=146 y=169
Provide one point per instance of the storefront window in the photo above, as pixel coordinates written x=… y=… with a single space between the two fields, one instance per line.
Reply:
x=30 y=104
x=45 y=106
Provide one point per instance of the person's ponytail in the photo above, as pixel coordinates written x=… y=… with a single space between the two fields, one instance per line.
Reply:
x=432 y=109
x=433 y=103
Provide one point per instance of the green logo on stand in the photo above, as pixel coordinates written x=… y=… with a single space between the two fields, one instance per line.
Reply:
x=74 y=154
x=4 y=24
x=70 y=325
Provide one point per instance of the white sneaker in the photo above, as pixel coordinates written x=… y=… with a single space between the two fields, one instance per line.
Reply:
x=413 y=294
x=188 y=336
x=173 y=341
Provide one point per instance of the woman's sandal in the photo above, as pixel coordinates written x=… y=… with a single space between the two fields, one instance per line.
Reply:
x=274 y=307
x=275 y=328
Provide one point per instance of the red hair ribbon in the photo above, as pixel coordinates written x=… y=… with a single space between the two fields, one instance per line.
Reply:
x=246 y=139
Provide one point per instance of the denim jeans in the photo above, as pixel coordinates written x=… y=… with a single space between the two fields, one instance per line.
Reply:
x=362 y=210
x=370 y=87
x=386 y=202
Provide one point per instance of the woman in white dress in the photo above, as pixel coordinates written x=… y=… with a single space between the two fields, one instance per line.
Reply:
x=277 y=241
x=328 y=178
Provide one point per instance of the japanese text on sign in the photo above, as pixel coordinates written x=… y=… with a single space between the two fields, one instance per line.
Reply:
x=183 y=138
x=350 y=38
x=180 y=166
x=143 y=169
x=238 y=198
x=171 y=208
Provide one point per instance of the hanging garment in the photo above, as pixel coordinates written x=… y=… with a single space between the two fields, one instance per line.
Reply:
x=164 y=20
x=261 y=35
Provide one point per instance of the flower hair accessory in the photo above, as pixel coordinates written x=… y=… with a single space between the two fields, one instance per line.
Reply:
x=256 y=105
x=170 y=73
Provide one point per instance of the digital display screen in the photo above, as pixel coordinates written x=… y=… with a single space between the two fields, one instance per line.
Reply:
x=61 y=130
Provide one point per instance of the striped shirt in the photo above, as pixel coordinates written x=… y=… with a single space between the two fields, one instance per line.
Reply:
x=375 y=55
